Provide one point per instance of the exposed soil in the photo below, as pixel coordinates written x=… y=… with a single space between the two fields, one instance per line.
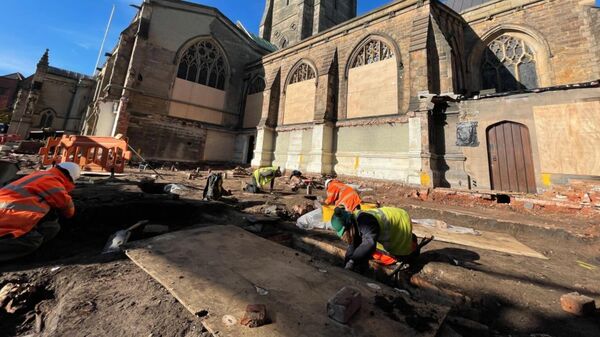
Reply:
x=81 y=292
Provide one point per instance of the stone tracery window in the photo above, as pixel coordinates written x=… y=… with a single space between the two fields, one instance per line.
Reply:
x=371 y=52
x=258 y=85
x=203 y=63
x=509 y=64
x=46 y=119
x=304 y=72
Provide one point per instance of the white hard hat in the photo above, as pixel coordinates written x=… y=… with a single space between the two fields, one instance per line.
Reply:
x=73 y=169
x=327 y=182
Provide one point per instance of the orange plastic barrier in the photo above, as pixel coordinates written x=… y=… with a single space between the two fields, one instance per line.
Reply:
x=96 y=154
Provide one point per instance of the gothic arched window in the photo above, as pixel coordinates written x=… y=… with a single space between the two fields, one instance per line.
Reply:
x=303 y=72
x=203 y=63
x=373 y=51
x=258 y=85
x=508 y=64
x=46 y=119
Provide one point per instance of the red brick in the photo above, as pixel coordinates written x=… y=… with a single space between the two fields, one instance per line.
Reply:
x=577 y=304
x=255 y=316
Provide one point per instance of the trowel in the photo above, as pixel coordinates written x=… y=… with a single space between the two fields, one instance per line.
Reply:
x=117 y=240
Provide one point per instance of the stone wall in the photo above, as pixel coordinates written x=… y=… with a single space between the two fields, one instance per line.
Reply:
x=143 y=81
x=287 y=22
x=53 y=98
x=105 y=119
x=166 y=138
x=367 y=119
x=379 y=151
x=293 y=148
x=220 y=146
x=562 y=127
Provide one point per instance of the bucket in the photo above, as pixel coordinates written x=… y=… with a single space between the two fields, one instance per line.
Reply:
x=367 y=206
x=329 y=210
x=328 y=213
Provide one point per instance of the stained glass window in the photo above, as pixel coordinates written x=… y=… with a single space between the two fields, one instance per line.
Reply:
x=508 y=64
x=203 y=63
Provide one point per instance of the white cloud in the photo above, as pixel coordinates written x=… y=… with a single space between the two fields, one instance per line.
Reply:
x=78 y=38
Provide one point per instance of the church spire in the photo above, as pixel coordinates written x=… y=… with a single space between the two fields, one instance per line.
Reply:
x=44 y=61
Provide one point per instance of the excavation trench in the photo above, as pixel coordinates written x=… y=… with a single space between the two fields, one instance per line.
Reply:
x=82 y=239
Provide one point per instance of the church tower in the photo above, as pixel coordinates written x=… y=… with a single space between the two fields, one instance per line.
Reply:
x=287 y=22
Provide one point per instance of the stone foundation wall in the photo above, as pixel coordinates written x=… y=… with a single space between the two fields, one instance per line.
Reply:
x=165 y=138
x=380 y=151
x=293 y=149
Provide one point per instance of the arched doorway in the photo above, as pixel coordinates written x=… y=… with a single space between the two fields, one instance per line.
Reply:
x=250 y=150
x=510 y=158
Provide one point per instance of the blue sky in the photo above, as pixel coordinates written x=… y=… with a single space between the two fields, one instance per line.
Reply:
x=73 y=29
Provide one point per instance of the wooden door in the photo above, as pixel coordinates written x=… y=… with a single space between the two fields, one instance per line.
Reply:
x=511 y=161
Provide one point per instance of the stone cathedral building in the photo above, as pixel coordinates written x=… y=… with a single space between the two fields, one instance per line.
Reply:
x=472 y=94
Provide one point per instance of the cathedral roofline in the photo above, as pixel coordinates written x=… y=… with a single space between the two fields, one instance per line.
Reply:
x=462 y=6
x=375 y=14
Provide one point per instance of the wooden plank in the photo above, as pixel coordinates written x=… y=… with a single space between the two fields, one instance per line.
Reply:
x=493 y=157
x=499 y=242
x=214 y=272
x=511 y=167
x=520 y=172
x=528 y=156
x=504 y=184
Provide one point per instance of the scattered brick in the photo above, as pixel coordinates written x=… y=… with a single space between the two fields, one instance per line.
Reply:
x=344 y=304
x=578 y=304
x=255 y=316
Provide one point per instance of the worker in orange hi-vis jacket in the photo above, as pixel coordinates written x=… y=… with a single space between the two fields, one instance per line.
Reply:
x=27 y=209
x=340 y=194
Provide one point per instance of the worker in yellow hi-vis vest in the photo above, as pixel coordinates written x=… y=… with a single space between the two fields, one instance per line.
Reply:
x=362 y=230
x=262 y=177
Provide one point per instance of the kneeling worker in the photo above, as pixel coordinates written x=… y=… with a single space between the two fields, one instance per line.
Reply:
x=263 y=176
x=362 y=230
x=27 y=217
x=340 y=194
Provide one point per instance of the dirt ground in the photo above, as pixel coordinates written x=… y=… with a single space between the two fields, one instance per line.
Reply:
x=80 y=292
